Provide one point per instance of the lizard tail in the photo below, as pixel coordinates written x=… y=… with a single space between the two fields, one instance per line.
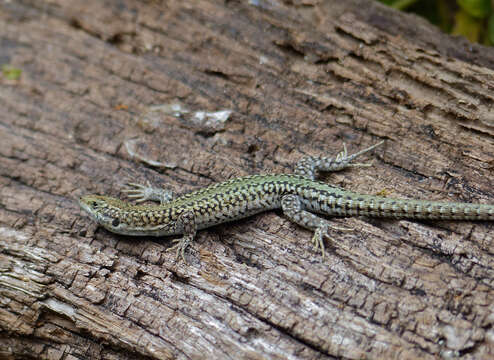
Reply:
x=376 y=206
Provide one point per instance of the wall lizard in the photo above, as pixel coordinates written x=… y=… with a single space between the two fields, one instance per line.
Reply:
x=299 y=195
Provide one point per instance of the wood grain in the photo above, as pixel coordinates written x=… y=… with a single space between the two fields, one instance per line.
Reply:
x=301 y=77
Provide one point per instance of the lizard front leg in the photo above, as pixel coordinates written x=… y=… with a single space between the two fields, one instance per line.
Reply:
x=292 y=208
x=187 y=222
x=141 y=193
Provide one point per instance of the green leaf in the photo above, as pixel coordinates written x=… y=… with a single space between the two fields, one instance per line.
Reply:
x=467 y=25
x=387 y=2
x=476 y=8
x=399 y=4
x=11 y=73
x=402 y=4
x=490 y=29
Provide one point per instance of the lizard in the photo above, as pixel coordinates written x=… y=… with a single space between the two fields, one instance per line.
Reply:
x=299 y=195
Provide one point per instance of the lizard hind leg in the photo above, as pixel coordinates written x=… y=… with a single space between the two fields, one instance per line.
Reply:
x=186 y=221
x=293 y=210
x=309 y=166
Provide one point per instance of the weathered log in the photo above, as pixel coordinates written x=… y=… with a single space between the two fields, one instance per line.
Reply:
x=92 y=111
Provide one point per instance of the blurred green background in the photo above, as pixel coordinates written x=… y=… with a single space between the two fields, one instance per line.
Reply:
x=473 y=19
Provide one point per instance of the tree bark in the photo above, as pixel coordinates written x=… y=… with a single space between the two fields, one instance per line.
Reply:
x=95 y=107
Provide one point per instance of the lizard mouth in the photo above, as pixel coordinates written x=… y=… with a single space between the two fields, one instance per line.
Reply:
x=91 y=209
x=85 y=207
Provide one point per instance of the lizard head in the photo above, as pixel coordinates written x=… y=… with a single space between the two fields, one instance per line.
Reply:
x=123 y=218
x=104 y=210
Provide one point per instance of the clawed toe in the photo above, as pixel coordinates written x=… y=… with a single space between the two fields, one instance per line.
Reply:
x=318 y=239
x=321 y=233
x=179 y=247
x=138 y=192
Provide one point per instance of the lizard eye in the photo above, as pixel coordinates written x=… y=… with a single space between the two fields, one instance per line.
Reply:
x=115 y=222
x=94 y=204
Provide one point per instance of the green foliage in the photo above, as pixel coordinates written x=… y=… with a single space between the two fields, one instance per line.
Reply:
x=467 y=25
x=490 y=29
x=473 y=19
x=11 y=73
x=476 y=8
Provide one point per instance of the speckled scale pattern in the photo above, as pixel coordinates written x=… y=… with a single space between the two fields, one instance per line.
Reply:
x=299 y=195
